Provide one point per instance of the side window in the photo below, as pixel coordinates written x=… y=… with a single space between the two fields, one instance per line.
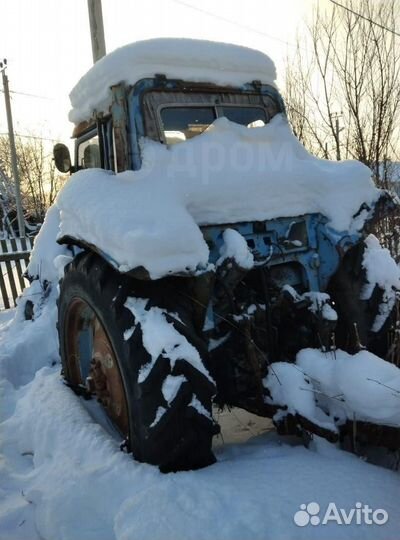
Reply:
x=89 y=156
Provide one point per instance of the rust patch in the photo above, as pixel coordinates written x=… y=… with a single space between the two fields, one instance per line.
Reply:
x=104 y=378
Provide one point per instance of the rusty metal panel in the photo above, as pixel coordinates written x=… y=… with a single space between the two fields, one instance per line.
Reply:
x=121 y=128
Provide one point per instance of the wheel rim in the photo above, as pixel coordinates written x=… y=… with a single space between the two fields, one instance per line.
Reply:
x=91 y=362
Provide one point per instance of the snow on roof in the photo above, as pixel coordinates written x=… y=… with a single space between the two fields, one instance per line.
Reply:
x=188 y=59
x=229 y=174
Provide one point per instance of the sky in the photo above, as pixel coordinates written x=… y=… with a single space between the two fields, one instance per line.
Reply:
x=48 y=48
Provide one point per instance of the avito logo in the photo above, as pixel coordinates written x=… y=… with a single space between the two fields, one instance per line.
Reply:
x=360 y=514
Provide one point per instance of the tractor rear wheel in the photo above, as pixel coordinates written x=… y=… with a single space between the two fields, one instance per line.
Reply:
x=356 y=316
x=164 y=417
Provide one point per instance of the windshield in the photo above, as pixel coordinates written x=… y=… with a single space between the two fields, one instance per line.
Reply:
x=182 y=123
x=176 y=116
x=247 y=116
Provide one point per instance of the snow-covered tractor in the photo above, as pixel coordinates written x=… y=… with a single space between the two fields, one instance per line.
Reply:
x=206 y=249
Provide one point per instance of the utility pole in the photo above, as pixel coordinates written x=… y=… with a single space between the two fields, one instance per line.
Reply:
x=338 y=129
x=14 y=162
x=96 y=29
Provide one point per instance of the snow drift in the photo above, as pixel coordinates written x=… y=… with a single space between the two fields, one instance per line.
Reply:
x=332 y=387
x=63 y=478
x=360 y=386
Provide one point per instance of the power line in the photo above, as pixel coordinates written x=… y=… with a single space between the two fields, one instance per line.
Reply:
x=31 y=137
x=366 y=18
x=229 y=21
x=27 y=94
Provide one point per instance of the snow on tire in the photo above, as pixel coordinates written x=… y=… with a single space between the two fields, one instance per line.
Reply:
x=117 y=339
x=361 y=302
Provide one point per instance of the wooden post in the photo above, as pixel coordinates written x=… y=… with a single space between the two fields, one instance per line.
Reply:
x=96 y=29
x=14 y=162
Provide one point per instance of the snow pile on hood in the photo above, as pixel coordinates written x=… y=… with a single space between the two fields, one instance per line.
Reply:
x=228 y=174
x=188 y=59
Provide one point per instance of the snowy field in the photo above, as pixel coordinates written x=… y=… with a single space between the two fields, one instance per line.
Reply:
x=63 y=477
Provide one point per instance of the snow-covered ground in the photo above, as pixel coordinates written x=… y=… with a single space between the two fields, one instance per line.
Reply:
x=63 y=477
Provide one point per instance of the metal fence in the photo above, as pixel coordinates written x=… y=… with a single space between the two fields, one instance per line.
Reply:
x=14 y=258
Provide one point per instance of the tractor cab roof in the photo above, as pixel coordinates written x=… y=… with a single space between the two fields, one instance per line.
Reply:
x=221 y=64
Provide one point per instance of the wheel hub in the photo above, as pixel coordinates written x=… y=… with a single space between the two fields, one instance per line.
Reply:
x=92 y=362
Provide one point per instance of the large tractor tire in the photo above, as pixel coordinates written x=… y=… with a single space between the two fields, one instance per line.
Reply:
x=102 y=353
x=356 y=316
x=355 y=329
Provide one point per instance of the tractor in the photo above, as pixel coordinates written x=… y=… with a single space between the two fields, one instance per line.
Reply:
x=220 y=330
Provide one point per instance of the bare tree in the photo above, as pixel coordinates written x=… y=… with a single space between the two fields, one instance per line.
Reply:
x=40 y=182
x=342 y=85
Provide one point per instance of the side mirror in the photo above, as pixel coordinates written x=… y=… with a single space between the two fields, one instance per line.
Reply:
x=62 y=158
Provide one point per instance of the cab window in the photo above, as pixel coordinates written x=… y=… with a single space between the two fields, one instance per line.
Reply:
x=246 y=116
x=89 y=156
x=182 y=123
x=174 y=116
